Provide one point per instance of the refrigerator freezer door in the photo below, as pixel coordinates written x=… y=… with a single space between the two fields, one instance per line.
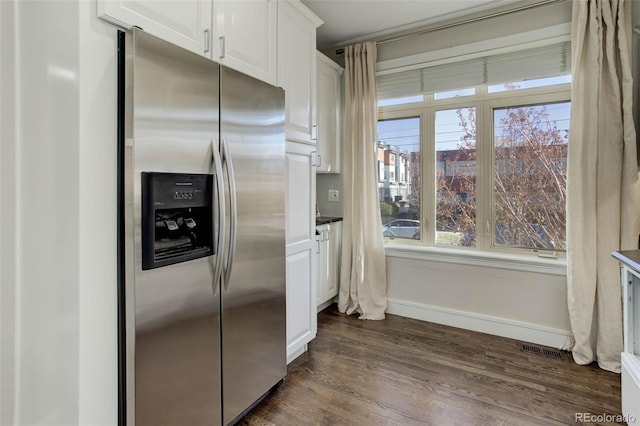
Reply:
x=173 y=312
x=253 y=303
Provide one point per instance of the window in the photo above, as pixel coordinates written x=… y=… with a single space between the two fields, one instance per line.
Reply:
x=493 y=175
x=402 y=168
x=399 y=146
x=455 y=146
x=530 y=175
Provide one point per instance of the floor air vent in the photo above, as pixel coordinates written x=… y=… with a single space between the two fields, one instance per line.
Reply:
x=553 y=353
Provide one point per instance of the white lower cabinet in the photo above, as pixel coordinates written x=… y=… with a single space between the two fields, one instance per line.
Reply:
x=301 y=319
x=328 y=252
x=301 y=248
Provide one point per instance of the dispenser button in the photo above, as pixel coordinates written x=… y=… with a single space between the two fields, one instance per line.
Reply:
x=171 y=224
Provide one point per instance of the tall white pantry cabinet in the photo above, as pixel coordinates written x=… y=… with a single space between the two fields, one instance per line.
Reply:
x=274 y=41
x=297 y=75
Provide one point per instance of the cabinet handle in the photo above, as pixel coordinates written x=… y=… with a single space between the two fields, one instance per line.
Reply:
x=207 y=41
x=314 y=132
x=222 y=46
x=317 y=245
x=319 y=160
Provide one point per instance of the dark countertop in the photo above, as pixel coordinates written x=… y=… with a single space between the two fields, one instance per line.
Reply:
x=327 y=219
x=631 y=258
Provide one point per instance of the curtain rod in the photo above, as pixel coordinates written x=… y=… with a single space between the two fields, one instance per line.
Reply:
x=468 y=21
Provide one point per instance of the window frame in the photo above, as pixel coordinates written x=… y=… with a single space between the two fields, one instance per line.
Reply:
x=485 y=103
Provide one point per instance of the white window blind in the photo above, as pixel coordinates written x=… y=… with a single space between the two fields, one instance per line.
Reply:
x=397 y=85
x=540 y=62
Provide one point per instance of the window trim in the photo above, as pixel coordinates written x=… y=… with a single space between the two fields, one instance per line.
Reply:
x=484 y=103
x=514 y=262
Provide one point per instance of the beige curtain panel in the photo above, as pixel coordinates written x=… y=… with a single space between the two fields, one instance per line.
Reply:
x=602 y=207
x=363 y=282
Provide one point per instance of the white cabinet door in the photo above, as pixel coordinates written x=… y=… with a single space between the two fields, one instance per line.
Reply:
x=245 y=36
x=301 y=189
x=329 y=114
x=334 y=259
x=329 y=243
x=301 y=302
x=297 y=68
x=301 y=247
x=185 y=23
x=322 y=264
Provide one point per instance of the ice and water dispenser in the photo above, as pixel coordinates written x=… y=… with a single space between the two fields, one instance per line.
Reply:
x=177 y=222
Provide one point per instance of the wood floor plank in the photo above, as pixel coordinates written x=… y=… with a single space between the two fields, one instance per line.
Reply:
x=407 y=372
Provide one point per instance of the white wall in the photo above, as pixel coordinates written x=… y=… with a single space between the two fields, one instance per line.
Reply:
x=325 y=182
x=521 y=305
x=7 y=214
x=98 y=218
x=64 y=309
x=47 y=217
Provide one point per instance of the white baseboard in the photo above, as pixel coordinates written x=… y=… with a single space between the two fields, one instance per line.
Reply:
x=325 y=305
x=517 y=330
x=328 y=303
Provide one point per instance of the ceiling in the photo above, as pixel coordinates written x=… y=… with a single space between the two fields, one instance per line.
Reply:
x=350 y=21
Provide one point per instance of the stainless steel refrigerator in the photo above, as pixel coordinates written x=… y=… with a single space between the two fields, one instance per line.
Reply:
x=202 y=240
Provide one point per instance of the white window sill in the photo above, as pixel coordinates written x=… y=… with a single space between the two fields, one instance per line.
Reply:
x=479 y=258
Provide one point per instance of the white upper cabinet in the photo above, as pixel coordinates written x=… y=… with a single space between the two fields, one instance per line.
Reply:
x=184 y=23
x=240 y=34
x=329 y=114
x=297 y=68
x=245 y=36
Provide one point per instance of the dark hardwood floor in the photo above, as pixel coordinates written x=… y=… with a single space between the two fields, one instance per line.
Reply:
x=407 y=372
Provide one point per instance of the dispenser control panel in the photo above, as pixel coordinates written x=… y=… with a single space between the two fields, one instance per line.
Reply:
x=177 y=218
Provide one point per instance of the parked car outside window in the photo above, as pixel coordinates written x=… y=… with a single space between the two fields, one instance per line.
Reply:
x=403 y=228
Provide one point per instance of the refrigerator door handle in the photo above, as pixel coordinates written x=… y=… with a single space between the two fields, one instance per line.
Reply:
x=233 y=210
x=218 y=178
